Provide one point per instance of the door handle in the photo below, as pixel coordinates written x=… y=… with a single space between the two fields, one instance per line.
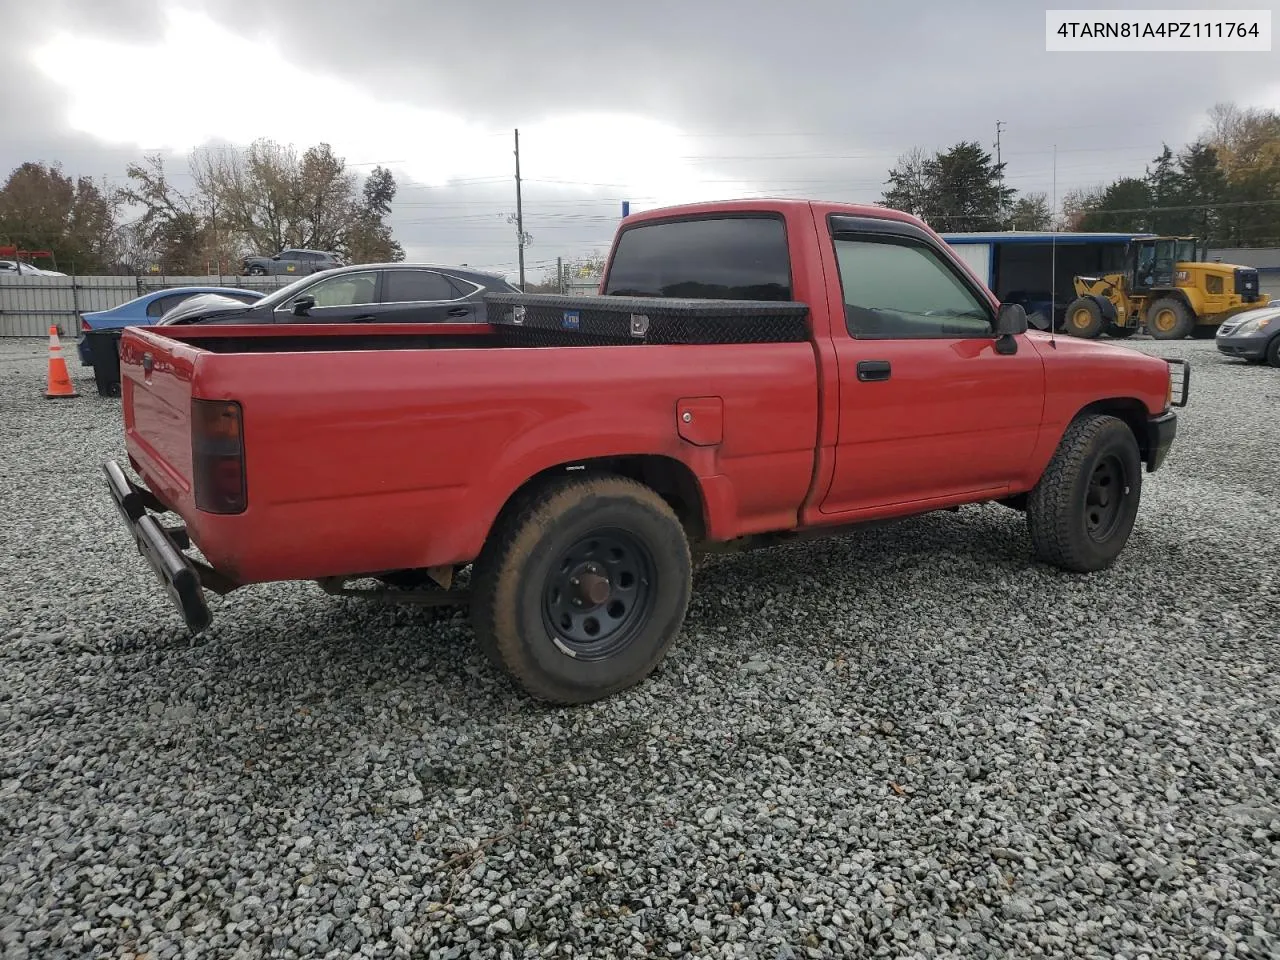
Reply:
x=459 y=312
x=873 y=369
x=365 y=319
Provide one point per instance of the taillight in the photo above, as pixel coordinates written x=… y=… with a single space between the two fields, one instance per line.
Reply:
x=217 y=456
x=84 y=325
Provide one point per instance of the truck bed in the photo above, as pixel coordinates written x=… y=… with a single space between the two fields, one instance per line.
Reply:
x=390 y=448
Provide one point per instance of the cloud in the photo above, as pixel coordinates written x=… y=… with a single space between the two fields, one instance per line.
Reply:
x=654 y=102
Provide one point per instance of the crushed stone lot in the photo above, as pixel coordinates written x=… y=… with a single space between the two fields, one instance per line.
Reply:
x=912 y=741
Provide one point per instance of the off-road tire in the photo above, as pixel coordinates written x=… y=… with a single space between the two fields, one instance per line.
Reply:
x=1083 y=318
x=1273 y=352
x=1059 y=509
x=1117 y=332
x=1181 y=323
x=520 y=564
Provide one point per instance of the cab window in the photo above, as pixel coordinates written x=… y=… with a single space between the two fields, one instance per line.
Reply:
x=730 y=258
x=895 y=288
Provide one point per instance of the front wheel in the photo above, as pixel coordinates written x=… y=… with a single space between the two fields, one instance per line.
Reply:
x=256 y=271
x=1084 y=318
x=1082 y=510
x=1273 y=352
x=581 y=591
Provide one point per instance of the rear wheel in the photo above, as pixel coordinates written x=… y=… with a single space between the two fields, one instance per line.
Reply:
x=1084 y=318
x=1169 y=319
x=1082 y=510
x=583 y=588
x=257 y=271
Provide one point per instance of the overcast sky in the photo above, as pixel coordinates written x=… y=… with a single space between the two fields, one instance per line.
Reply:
x=654 y=102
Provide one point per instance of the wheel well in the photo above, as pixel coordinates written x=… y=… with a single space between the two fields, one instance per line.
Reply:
x=669 y=478
x=1133 y=412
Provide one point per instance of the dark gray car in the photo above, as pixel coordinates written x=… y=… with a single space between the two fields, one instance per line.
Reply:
x=289 y=261
x=1253 y=335
x=363 y=293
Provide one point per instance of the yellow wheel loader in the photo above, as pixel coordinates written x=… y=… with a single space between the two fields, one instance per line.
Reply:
x=1164 y=287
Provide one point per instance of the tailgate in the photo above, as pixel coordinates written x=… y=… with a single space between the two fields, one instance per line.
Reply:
x=155 y=388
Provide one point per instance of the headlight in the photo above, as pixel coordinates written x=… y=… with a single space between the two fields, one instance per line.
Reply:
x=1250 y=327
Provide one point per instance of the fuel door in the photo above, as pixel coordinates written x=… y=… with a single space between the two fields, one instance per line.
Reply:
x=700 y=420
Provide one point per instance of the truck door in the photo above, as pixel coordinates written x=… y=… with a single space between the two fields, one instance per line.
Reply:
x=928 y=409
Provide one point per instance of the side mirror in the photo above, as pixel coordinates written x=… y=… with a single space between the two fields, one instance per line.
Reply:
x=303 y=304
x=1011 y=320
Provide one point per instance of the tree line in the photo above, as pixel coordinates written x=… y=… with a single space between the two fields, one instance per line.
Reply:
x=254 y=200
x=1223 y=187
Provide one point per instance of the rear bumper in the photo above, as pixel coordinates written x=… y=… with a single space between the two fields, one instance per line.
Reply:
x=1161 y=431
x=161 y=546
x=1246 y=348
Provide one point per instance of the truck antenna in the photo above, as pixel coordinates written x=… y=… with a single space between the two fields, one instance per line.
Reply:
x=1053 y=255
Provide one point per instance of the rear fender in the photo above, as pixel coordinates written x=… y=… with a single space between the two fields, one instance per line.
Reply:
x=687 y=477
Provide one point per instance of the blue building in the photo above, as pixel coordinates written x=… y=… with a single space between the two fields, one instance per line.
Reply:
x=1023 y=266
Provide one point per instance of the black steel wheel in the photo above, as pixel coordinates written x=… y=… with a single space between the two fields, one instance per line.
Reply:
x=1104 y=501
x=582 y=586
x=599 y=594
x=1084 y=506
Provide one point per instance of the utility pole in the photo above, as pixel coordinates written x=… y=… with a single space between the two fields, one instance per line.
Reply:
x=999 y=127
x=559 y=275
x=213 y=226
x=519 y=210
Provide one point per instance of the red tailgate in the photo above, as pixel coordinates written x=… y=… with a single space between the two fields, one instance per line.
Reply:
x=155 y=384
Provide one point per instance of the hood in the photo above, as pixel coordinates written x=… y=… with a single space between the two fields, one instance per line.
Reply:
x=1268 y=312
x=1066 y=345
x=202 y=305
x=1101 y=369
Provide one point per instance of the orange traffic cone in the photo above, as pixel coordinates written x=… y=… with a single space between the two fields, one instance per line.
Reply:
x=60 y=384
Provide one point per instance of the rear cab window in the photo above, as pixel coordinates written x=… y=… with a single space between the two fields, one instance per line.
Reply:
x=726 y=257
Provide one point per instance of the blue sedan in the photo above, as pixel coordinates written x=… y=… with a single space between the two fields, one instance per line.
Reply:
x=147 y=309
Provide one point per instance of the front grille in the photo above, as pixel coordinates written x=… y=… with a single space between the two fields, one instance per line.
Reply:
x=1247 y=284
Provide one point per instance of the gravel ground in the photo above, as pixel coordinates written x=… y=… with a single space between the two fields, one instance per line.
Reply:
x=911 y=742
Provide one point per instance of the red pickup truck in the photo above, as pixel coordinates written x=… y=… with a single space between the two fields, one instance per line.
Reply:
x=752 y=371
